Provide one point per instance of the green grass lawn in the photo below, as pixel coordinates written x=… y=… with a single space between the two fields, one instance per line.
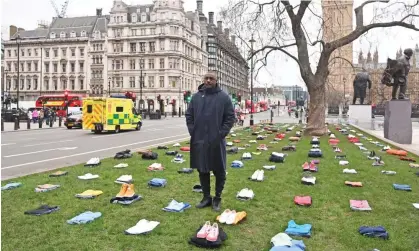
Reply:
x=335 y=226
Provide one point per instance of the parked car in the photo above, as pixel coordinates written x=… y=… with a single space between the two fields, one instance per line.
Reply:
x=74 y=121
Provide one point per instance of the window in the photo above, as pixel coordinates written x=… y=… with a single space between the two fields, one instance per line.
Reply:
x=47 y=53
x=9 y=53
x=171 y=63
x=46 y=84
x=134 y=18
x=22 y=52
x=28 y=84
x=8 y=66
x=89 y=109
x=72 y=34
x=133 y=47
x=161 y=42
x=142 y=63
x=161 y=81
x=55 y=68
x=62 y=34
x=152 y=46
x=81 y=84
x=133 y=32
x=117 y=47
x=35 y=66
x=55 y=52
x=82 y=52
x=151 y=63
x=64 y=67
x=15 y=53
x=29 y=52
x=72 y=68
x=64 y=52
x=143 y=17
x=132 y=64
x=81 y=67
x=132 y=82
x=142 y=32
x=119 y=109
x=55 y=84
x=151 y=81
x=35 y=51
x=142 y=46
x=153 y=31
x=73 y=84
x=52 y=35
x=29 y=66
x=83 y=33
x=22 y=67
x=73 y=52
x=161 y=63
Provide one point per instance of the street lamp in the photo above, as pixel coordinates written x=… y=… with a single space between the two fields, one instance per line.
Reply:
x=142 y=77
x=252 y=41
x=18 y=68
x=109 y=86
x=344 y=92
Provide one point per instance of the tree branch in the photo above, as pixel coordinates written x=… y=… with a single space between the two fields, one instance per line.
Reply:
x=270 y=47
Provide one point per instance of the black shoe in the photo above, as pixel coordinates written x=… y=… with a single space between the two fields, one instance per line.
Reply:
x=205 y=202
x=216 y=204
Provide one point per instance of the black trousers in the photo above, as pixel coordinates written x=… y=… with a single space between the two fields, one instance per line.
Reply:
x=205 y=180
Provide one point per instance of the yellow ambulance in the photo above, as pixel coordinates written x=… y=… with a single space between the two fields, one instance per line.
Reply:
x=110 y=114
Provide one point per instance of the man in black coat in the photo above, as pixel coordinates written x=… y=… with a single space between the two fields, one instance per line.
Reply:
x=361 y=82
x=210 y=117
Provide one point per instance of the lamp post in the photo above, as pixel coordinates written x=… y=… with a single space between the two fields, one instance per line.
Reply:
x=142 y=77
x=344 y=93
x=18 y=69
x=252 y=41
x=109 y=86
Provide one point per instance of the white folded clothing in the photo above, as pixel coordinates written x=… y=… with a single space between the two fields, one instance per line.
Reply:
x=142 y=227
x=88 y=176
x=252 y=141
x=315 y=146
x=281 y=239
x=332 y=136
x=273 y=142
x=269 y=167
x=241 y=148
x=121 y=165
x=343 y=162
x=353 y=131
x=360 y=134
x=346 y=170
x=246 y=156
x=388 y=172
x=358 y=144
x=93 y=161
x=233 y=135
x=416 y=205
x=281 y=155
x=315 y=150
x=362 y=148
x=124 y=179
x=258 y=175
x=351 y=136
x=229 y=143
x=310 y=180
x=176 y=145
x=245 y=194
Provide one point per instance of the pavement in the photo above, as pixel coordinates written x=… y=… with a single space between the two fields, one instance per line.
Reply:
x=34 y=151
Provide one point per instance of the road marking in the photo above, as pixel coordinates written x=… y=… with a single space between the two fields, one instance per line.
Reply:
x=118 y=134
x=95 y=151
x=59 y=149
x=8 y=144
x=47 y=143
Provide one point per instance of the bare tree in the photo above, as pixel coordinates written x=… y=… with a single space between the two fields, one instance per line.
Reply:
x=278 y=26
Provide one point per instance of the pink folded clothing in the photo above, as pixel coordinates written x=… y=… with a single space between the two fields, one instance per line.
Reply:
x=359 y=205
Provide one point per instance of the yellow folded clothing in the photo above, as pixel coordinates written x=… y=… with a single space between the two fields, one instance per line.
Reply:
x=89 y=193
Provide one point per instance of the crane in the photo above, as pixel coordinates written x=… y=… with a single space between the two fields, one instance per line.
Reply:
x=63 y=8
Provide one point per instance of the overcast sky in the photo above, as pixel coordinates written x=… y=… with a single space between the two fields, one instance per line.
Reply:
x=280 y=70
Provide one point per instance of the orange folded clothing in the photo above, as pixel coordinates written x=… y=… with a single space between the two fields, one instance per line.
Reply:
x=333 y=141
x=236 y=141
x=353 y=184
x=185 y=149
x=396 y=152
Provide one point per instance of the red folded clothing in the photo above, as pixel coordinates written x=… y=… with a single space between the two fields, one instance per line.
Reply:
x=280 y=135
x=302 y=200
x=185 y=149
x=333 y=141
x=354 y=140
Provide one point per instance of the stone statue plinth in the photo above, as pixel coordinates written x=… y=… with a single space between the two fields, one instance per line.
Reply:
x=361 y=115
x=398 y=121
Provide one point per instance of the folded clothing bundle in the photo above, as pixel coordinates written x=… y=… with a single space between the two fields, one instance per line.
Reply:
x=92 y=162
x=289 y=148
x=269 y=167
x=233 y=150
x=157 y=182
x=150 y=155
x=45 y=188
x=303 y=200
x=207 y=236
x=123 y=154
x=126 y=195
x=142 y=227
x=124 y=179
x=58 y=174
x=353 y=184
x=245 y=194
x=294 y=229
x=246 y=156
x=88 y=176
x=377 y=232
x=43 y=209
x=155 y=167
x=121 y=165
x=177 y=207
x=359 y=205
x=11 y=186
x=237 y=164
x=171 y=153
x=402 y=187
x=282 y=242
x=178 y=159
x=89 y=194
x=277 y=157
x=308 y=180
x=162 y=147
x=315 y=153
x=84 y=218
x=185 y=170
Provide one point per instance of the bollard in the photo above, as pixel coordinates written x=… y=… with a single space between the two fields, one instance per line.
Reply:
x=28 y=124
x=180 y=113
x=16 y=123
x=165 y=114
x=60 y=120
x=2 y=124
x=51 y=122
x=40 y=123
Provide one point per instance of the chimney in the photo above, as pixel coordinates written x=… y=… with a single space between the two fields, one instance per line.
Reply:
x=199 y=5
x=220 y=26
x=99 y=12
x=227 y=33
x=211 y=17
x=233 y=39
x=12 y=30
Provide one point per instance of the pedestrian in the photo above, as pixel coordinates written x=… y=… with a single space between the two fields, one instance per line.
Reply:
x=35 y=116
x=30 y=115
x=209 y=118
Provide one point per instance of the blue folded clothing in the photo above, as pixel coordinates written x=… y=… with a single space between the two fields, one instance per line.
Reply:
x=11 y=186
x=237 y=164
x=85 y=217
x=296 y=245
x=402 y=187
x=315 y=154
x=177 y=207
x=298 y=230
x=157 y=182
x=378 y=232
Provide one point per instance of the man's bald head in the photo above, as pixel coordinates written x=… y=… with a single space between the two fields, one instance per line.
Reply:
x=210 y=79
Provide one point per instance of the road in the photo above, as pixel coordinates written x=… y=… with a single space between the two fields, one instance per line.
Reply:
x=27 y=152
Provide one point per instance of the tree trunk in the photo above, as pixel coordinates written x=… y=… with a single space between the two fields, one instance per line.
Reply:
x=316 y=125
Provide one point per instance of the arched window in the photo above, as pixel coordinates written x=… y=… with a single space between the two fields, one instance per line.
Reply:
x=83 y=33
x=134 y=18
x=52 y=35
x=72 y=34
x=97 y=34
x=62 y=34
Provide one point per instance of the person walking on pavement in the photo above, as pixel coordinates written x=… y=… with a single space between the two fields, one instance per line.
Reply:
x=35 y=116
x=209 y=118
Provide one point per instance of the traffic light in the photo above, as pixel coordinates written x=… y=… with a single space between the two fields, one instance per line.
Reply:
x=188 y=96
x=233 y=97
x=239 y=98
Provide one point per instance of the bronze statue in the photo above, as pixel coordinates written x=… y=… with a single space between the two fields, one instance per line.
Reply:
x=361 y=82
x=396 y=73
